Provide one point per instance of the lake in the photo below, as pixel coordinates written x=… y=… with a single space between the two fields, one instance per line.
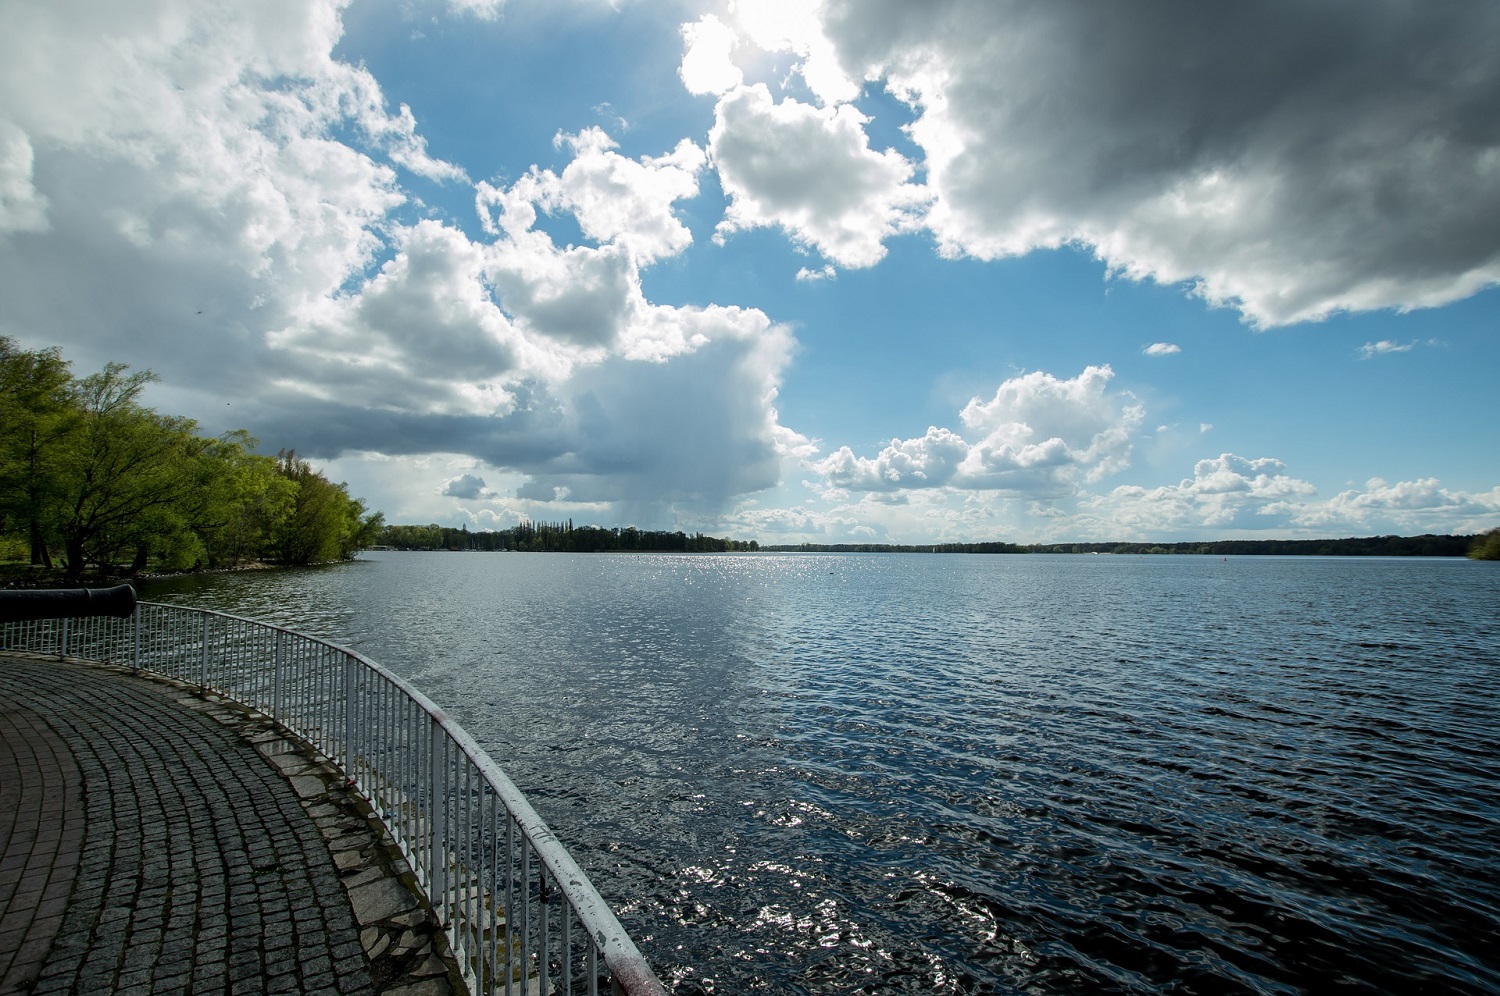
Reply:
x=883 y=773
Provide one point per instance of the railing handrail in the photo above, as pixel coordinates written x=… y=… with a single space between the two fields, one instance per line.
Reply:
x=628 y=969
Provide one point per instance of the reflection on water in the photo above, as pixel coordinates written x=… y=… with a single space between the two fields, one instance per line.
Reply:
x=961 y=774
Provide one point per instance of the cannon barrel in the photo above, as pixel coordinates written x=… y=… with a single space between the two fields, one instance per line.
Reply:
x=66 y=603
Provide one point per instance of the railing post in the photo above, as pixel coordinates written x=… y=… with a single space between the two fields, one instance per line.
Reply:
x=62 y=651
x=350 y=679
x=135 y=642
x=276 y=682
x=203 y=673
x=437 y=831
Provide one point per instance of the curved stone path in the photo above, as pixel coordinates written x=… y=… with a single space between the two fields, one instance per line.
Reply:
x=153 y=840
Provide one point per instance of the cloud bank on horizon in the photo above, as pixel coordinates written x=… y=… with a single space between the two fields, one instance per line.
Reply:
x=648 y=312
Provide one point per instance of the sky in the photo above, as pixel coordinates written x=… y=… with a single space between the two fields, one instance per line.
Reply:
x=845 y=272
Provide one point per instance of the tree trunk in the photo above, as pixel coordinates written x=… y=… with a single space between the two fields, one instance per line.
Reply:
x=75 y=559
x=40 y=555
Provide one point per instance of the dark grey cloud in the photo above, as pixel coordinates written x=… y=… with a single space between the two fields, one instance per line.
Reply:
x=534 y=434
x=1290 y=158
x=695 y=430
x=465 y=486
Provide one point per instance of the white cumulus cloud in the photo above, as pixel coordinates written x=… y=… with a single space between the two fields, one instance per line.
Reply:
x=810 y=171
x=707 y=67
x=1404 y=507
x=925 y=462
x=22 y=207
x=1039 y=435
x=624 y=201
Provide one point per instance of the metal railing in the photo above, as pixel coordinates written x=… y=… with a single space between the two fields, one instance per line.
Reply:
x=519 y=914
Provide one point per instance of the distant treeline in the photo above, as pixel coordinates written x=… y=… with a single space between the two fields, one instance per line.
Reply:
x=561 y=537
x=1426 y=545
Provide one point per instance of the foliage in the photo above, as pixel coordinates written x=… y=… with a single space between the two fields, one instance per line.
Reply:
x=324 y=523
x=556 y=537
x=1486 y=546
x=36 y=416
x=87 y=470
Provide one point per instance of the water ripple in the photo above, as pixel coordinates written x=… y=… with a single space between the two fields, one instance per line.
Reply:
x=865 y=774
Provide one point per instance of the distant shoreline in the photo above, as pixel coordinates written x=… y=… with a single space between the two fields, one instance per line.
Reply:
x=1426 y=545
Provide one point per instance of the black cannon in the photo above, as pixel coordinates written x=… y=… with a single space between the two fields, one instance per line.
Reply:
x=66 y=603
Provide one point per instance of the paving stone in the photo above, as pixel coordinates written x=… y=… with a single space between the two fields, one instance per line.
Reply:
x=415 y=918
x=433 y=965
x=360 y=878
x=380 y=900
x=426 y=987
x=308 y=786
x=380 y=945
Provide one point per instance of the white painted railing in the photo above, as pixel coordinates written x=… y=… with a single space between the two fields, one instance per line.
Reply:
x=519 y=913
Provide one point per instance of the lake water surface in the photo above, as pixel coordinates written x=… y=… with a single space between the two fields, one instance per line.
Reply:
x=977 y=774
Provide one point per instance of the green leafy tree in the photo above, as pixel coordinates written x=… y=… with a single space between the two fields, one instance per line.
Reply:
x=244 y=502
x=1486 y=546
x=325 y=523
x=37 y=413
x=124 y=472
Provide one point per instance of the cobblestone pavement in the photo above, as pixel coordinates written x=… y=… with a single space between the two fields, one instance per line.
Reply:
x=153 y=840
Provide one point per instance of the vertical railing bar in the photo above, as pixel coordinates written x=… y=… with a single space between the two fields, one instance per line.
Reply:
x=316 y=703
x=355 y=731
x=525 y=892
x=475 y=876
x=294 y=662
x=392 y=769
x=305 y=662
x=566 y=968
x=317 y=699
x=450 y=827
x=466 y=903
x=439 y=827
x=408 y=774
x=546 y=930
x=408 y=767
x=425 y=811
x=441 y=847
x=339 y=732
x=435 y=820
x=453 y=852
x=328 y=701
x=510 y=900
x=276 y=680
x=489 y=921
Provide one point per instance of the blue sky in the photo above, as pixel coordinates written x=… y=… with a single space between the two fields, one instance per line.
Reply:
x=838 y=272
